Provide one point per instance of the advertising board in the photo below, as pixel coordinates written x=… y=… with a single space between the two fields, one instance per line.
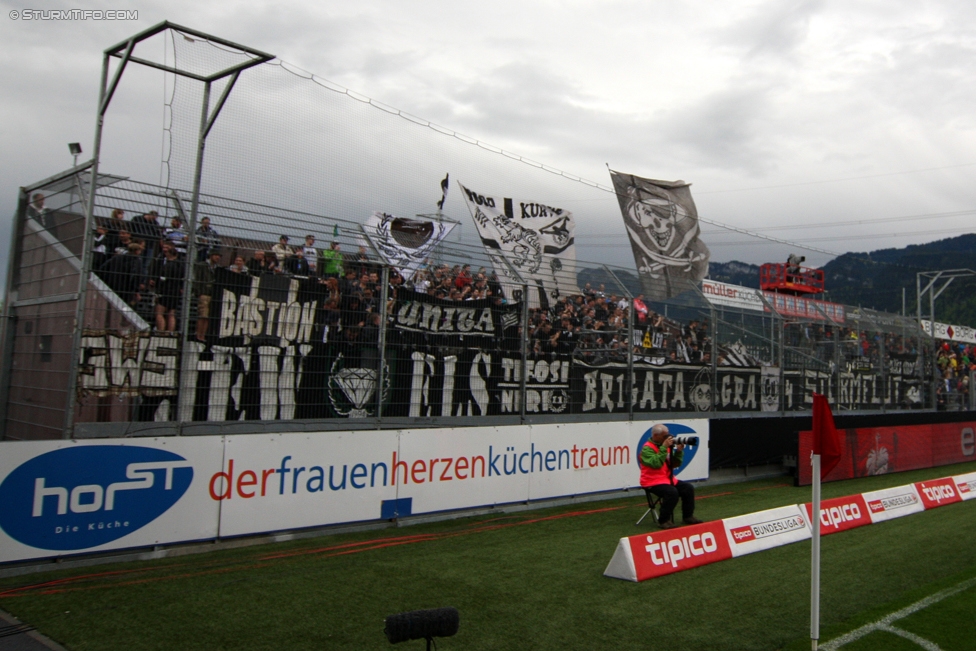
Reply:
x=893 y=503
x=755 y=532
x=67 y=497
x=871 y=451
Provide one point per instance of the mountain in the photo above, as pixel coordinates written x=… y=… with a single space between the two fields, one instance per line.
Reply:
x=876 y=279
x=873 y=279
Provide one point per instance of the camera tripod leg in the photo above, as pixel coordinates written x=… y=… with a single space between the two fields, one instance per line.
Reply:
x=645 y=515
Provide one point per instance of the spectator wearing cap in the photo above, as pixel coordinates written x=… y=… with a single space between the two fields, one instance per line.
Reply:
x=281 y=250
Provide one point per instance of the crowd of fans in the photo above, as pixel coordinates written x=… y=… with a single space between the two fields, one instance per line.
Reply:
x=144 y=262
x=956 y=362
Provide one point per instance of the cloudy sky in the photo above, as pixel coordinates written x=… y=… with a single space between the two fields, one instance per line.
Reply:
x=841 y=126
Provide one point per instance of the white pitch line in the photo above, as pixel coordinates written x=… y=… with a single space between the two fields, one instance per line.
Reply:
x=885 y=623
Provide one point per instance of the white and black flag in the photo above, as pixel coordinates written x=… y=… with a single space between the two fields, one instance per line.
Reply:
x=405 y=243
x=662 y=222
x=530 y=240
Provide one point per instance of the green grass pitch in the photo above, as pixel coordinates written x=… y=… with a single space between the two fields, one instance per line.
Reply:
x=526 y=580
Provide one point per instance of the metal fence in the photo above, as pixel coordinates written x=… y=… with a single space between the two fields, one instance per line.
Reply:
x=266 y=314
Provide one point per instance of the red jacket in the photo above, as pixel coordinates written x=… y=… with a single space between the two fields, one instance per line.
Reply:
x=651 y=456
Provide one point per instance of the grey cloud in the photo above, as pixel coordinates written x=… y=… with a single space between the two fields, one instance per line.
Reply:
x=775 y=28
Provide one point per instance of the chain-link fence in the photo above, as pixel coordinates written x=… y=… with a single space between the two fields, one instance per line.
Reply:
x=275 y=315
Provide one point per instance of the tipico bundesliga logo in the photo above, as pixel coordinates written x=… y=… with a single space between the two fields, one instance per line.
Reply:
x=675 y=429
x=85 y=496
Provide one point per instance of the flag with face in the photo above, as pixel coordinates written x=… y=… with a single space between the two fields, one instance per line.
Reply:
x=527 y=242
x=405 y=243
x=662 y=222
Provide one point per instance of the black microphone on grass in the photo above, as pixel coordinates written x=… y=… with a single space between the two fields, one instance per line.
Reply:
x=422 y=624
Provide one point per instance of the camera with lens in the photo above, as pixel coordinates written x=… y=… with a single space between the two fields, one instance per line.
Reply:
x=691 y=441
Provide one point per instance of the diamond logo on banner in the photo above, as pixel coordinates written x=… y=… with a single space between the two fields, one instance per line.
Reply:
x=358 y=384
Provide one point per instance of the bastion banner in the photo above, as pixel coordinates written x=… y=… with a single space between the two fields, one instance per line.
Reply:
x=882 y=450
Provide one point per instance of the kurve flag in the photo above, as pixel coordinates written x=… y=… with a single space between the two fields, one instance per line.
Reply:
x=662 y=222
x=826 y=438
x=528 y=240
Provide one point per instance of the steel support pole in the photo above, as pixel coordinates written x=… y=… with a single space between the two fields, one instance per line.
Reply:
x=918 y=310
x=884 y=372
x=103 y=97
x=714 y=354
x=384 y=321
x=935 y=352
x=525 y=350
x=184 y=399
x=782 y=363
x=8 y=329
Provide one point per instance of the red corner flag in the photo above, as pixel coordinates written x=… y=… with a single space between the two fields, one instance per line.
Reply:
x=826 y=438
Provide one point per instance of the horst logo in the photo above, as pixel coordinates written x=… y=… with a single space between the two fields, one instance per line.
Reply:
x=85 y=496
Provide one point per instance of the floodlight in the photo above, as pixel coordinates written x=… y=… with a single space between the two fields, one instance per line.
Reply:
x=75 y=149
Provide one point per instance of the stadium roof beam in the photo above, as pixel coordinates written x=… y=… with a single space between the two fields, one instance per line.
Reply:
x=125 y=52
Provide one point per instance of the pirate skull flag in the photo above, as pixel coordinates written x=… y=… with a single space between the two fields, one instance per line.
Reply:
x=662 y=223
x=527 y=241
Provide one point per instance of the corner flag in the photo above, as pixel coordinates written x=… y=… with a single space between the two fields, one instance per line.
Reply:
x=826 y=438
x=826 y=454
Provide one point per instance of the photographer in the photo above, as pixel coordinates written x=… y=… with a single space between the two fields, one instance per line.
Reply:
x=658 y=459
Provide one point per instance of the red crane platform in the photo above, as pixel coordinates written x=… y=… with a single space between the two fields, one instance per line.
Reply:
x=790 y=279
